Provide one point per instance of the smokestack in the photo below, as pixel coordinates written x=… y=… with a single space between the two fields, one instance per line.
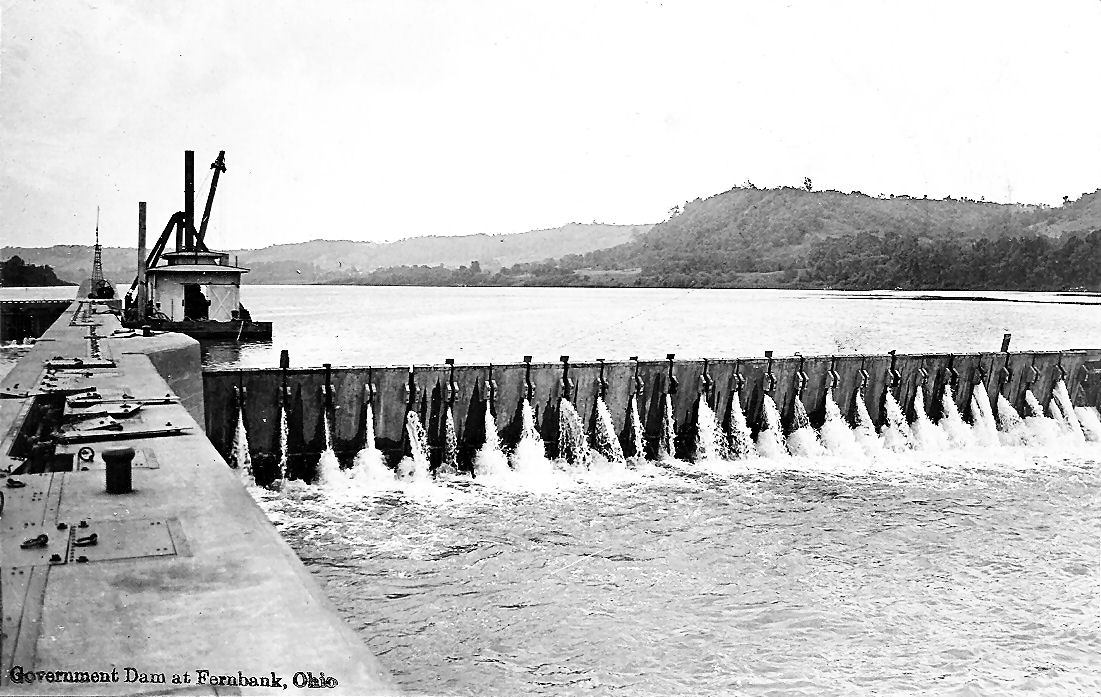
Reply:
x=142 y=293
x=189 y=199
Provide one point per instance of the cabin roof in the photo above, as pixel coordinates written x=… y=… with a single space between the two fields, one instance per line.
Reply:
x=198 y=268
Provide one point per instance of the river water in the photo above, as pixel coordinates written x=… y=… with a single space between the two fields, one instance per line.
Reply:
x=965 y=570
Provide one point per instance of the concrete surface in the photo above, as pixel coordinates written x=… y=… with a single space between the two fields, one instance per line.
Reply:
x=188 y=574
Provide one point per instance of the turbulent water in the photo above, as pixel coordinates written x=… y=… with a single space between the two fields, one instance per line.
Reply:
x=914 y=572
x=838 y=562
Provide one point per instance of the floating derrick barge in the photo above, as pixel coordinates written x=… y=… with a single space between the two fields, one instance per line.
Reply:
x=192 y=290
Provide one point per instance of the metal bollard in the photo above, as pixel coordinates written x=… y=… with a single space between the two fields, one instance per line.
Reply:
x=119 y=463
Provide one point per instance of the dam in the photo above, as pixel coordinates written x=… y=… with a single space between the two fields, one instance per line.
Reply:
x=293 y=415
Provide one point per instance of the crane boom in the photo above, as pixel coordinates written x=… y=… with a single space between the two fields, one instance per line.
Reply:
x=219 y=166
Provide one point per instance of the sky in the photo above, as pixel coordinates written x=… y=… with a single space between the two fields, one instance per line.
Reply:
x=384 y=120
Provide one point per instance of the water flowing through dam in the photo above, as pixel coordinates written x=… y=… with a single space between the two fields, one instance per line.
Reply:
x=670 y=529
x=821 y=574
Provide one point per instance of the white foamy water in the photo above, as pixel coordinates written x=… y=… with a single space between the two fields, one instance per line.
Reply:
x=284 y=438
x=666 y=446
x=573 y=441
x=803 y=441
x=837 y=437
x=369 y=468
x=896 y=432
x=927 y=435
x=329 y=473
x=1089 y=422
x=1070 y=418
x=638 y=433
x=530 y=454
x=770 y=439
x=449 y=462
x=864 y=428
x=606 y=439
x=959 y=433
x=240 y=457
x=416 y=466
x=490 y=460
x=710 y=439
x=741 y=438
x=983 y=424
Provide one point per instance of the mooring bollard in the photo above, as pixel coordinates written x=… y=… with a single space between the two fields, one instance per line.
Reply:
x=119 y=463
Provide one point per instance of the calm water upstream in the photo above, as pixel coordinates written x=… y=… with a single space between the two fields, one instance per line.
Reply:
x=400 y=326
x=969 y=571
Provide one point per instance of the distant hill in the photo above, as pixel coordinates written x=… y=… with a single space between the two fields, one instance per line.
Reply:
x=319 y=260
x=754 y=238
x=762 y=230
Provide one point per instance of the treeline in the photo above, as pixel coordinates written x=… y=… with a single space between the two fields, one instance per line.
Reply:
x=860 y=261
x=1011 y=263
x=15 y=272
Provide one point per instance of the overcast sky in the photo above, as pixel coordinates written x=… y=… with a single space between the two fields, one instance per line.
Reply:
x=383 y=120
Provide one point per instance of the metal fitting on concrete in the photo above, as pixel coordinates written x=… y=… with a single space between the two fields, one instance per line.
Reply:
x=671 y=387
x=452 y=386
x=707 y=385
x=636 y=382
x=565 y=383
x=491 y=387
x=529 y=389
x=601 y=383
x=119 y=463
x=770 y=380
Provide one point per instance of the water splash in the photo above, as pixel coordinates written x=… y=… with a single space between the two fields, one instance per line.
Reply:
x=1040 y=428
x=959 y=433
x=449 y=462
x=741 y=439
x=328 y=466
x=490 y=460
x=416 y=466
x=710 y=439
x=369 y=466
x=607 y=442
x=1033 y=404
x=864 y=429
x=667 y=444
x=803 y=441
x=1012 y=426
x=573 y=442
x=1090 y=421
x=530 y=454
x=897 y=434
x=770 y=439
x=927 y=435
x=284 y=441
x=638 y=433
x=982 y=420
x=836 y=435
x=1062 y=398
x=240 y=457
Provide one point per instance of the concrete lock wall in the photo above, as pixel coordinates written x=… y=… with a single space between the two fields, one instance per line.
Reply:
x=428 y=390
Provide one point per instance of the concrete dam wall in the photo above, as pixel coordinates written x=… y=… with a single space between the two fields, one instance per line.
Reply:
x=313 y=397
